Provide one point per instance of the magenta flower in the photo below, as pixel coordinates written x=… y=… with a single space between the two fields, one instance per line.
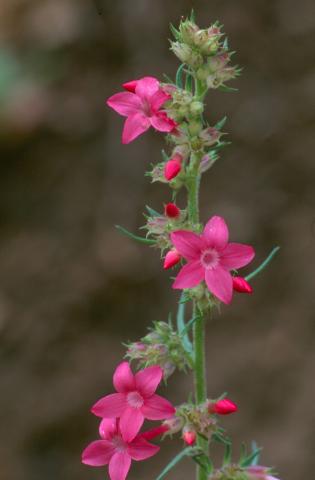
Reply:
x=136 y=399
x=115 y=452
x=141 y=105
x=210 y=257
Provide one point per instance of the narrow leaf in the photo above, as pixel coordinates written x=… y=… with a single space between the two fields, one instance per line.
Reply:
x=192 y=15
x=263 y=264
x=189 y=325
x=174 y=32
x=179 y=76
x=188 y=83
x=186 y=452
x=152 y=212
x=181 y=323
x=220 y=123
x=164 y=155
x=251 y=459
x=225 y=88
x=217 y=437
x=227 y=454
x=126 y=232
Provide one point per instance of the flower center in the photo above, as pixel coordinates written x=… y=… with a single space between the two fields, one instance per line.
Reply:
x=118 y=443
x=146 y=108
x=134 y=400
x=209 y=258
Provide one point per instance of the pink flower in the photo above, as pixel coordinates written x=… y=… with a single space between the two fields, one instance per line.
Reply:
x=116 y=452
x=257 y=472
x=210 y=257
x=222 y=407
x=135 y=400
x=171 y=259
x=141 y=105
x=173 y=167
x=240 y=285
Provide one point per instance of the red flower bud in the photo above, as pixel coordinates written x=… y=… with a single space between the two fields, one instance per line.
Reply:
x=173 y=167
x=240 y=285
x=130 y=86
x=171 y=258
x=189 y=436
x=172 y=211
x=155 y=432
x=222 y=407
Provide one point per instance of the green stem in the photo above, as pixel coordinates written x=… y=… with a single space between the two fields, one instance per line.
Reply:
x=199 y=325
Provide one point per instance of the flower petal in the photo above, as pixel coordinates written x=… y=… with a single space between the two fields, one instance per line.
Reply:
x=124 y=379
x=219 y=282
x=148 y=379
x=119 y=466
x=188 y=244
x=125 y=103
x=161 y=122
x=147 y=86
x=130 y=423
x=130 y=86
x=157 y=408
x=140 y=449
x=107 y=428
x=134 y=126
x=189 y=276
x=236 y=255
x=110 y=406
x=216 y=233
x=98 y=453
x=158 y=99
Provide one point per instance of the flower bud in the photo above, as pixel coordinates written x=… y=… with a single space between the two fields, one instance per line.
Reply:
x=168 y=369
x=173 y=167
x=218 y=62
x=207 y=161
x=188 y=31
x=240 y=285
x=196 y=108
x=222 y=407
x=257 y=472
x=210 y=136
x=174 y=424
x=182 y=51
x=171 y=259
x=154 y=432
x=130 y=86
x=189 y=435
x=172 y=210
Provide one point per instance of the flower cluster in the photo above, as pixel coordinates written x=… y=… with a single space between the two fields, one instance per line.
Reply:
x=162 y=346
x=123 y=414
x=208 y=274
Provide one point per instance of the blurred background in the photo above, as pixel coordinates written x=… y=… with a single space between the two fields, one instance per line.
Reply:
x=72 y=289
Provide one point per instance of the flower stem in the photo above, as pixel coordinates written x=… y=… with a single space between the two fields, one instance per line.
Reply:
x=199 y=325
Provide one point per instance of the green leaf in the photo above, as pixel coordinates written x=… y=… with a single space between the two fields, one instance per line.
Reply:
x=227 y=454
x=152 y=212
x=164 y=155
x=184 y=453
x=263 y=264
x=220 y=123
x=188 y=325
x=179 y=76
x=192 y=17
x=225 y=88
x=204 y=462
x=217 y=437
x=126 y=232
x=251 y=459
x=175 y=32
x=181 y=324
x=189 y=82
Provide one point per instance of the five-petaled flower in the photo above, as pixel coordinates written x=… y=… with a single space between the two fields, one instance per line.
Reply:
x=116 y=452
x=210 y=257
x=141 y=104
x=136 y=399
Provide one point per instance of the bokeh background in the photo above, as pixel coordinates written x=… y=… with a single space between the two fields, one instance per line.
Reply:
x=72 y=288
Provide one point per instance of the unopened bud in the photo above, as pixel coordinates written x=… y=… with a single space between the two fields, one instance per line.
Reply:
x=210 y=136
x=182 y=51
x=171 y=259
x=257 y=472
x=196 y=108
x=194 y=127
x=188 y=31
x=222 y=407
x=173 y=167
x=189 y=435
x=168 y=369
x=172 y=210
x=174 y=424
x=240 y=285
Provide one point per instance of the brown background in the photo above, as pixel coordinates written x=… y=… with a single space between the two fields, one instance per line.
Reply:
x=72 y=289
